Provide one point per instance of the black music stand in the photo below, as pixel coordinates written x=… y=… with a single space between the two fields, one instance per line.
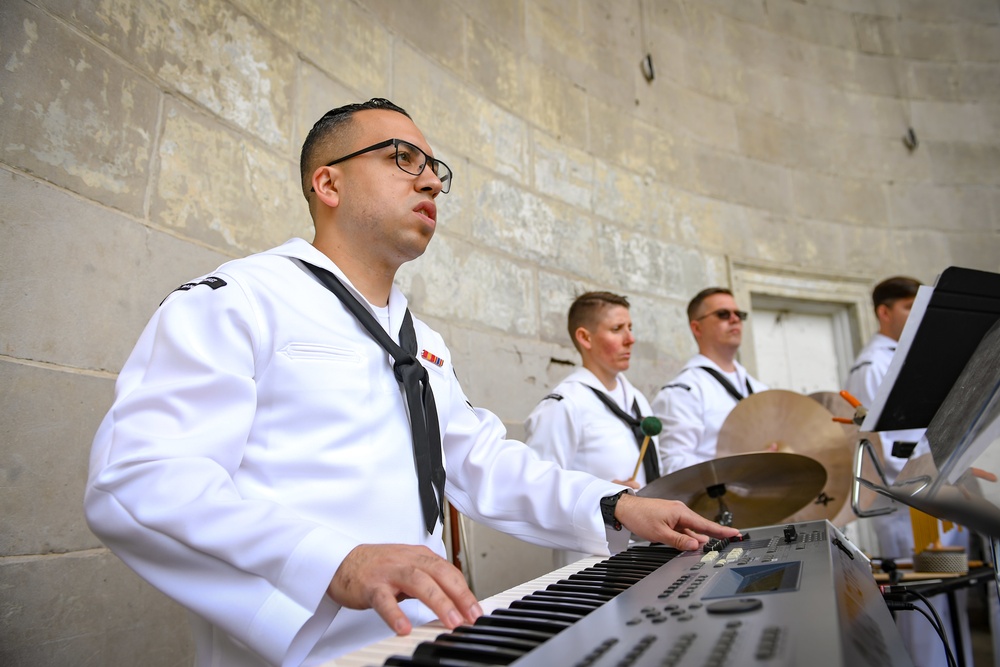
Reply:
x=945 y=375
x=947 y=323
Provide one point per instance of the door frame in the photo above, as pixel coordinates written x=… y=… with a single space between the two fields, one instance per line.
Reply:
x=825 y=291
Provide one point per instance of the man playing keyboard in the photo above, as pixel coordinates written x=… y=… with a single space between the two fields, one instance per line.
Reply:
x=284 y=433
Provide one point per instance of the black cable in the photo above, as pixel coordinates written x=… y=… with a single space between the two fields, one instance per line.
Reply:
x=941 y=634
x=944 y=636
x=994 y=544
x=896 y=600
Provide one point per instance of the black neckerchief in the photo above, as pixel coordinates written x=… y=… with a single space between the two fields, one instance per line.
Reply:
x=726 y=384
x=649 y=463
x=412 y=376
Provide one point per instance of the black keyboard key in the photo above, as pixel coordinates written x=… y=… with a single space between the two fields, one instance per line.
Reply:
x=477 y=653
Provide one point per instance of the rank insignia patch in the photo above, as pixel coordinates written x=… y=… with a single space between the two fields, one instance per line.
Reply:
x=211 y=281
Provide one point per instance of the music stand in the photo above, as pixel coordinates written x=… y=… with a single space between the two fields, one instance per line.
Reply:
x=945 y=326
x=945 y=375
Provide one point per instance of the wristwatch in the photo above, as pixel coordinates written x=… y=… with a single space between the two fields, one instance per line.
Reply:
x=608 y=505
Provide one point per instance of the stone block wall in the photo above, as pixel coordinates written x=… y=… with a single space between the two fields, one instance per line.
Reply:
x=144 y=142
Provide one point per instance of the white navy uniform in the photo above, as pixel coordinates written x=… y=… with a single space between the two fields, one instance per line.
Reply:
x=572 y=427
x=863 y=382
x=895 y=530
x=258 y=435
x=693 y=406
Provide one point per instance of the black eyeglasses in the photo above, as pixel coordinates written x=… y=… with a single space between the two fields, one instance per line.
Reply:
x=724 y=314
x=409 y=158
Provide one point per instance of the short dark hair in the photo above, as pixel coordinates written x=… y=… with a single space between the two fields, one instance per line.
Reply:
x=893 y=289
x=700 y=297
x=584 y=310
x=319 y=138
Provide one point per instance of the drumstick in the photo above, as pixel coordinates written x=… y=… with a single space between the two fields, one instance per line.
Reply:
x=650 y=426
x=983 y=474
x=849 y=397
x=860 y=411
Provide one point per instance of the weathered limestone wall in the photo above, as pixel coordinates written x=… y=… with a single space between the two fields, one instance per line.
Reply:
x=144 y=142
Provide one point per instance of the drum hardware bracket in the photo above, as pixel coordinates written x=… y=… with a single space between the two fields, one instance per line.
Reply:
x=865 y=448
x=724 y=517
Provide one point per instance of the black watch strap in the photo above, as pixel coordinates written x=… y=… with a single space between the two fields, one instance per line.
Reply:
x=608 y=505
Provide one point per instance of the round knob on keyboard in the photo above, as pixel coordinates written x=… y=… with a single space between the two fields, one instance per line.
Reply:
x=739 y=606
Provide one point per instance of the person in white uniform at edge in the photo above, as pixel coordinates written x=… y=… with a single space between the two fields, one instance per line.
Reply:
x=591 y=420
x=694 y=405
x=258 y=463
x=892 y=300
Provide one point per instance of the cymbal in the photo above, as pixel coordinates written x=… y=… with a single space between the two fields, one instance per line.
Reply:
x=761 y=488
x=839 y=407
x=799 y=425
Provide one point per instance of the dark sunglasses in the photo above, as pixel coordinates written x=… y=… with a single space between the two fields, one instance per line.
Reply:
x=725 y=314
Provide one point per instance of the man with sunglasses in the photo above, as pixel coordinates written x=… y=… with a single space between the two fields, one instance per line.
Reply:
x=284 y=433
x=694 y=405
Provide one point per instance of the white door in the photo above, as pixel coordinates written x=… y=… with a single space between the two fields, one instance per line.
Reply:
x=799 y=345
x=795 y=351
x=806 y=347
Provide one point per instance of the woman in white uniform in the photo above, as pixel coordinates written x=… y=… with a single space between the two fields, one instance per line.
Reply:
x=591 y=420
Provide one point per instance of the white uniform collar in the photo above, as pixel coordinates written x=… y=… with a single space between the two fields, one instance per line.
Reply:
x=585 y=377
x=881 y=340
x=699 y=360
x=301 y=249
